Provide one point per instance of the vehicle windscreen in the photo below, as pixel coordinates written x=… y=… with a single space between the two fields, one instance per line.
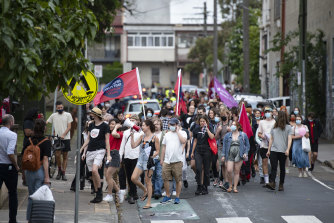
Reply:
x=136 y=107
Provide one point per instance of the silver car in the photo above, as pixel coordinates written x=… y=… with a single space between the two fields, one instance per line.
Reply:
x=135 y=107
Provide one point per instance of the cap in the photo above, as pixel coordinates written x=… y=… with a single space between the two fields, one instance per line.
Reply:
x=174 y=121
x=96 y=111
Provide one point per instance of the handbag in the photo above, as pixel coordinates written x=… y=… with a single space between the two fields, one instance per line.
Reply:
x=306 y=145
x=213 y=145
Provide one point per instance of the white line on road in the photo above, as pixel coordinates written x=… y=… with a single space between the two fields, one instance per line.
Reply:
x=234 y=220
x=225 y=203
x=301 y=218
x=168 y=221
x=318 y=181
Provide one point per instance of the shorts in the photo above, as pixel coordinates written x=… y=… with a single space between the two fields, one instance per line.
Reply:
x=263 y=153
x=314 y=147
x=234 y=154
x=142 y=164
x=67 y=145
x=172 y=170
x=94 y=157
x=115 y=159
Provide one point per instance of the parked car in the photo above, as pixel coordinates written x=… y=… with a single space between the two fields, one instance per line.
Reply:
x=281 y=101
x=192 y=88
x=135 y=107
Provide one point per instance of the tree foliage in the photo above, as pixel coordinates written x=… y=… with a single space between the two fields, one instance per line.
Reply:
x=42 y=44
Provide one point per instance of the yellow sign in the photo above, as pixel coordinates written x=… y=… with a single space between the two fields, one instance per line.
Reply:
x=82 y=91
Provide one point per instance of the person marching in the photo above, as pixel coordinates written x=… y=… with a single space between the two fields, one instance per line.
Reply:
x=96 y=145
x=149 y=149
x=172 y=157
x=279 y=149
x=235 y=149
x=113 y=160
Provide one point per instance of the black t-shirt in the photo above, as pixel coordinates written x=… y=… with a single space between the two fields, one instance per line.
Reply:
x=202 y=137
x=187 y=120
x=27 y=124
x=97 y=139
x=45 y=147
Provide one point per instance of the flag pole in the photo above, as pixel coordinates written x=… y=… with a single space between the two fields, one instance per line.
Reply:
x=178 y=91
x=141 y=92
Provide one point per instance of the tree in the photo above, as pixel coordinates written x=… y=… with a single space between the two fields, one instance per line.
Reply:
x=42 y=44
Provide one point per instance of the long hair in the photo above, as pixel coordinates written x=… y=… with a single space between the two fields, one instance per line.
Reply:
x=31 y=114
x=39 y=128
x=282 y=120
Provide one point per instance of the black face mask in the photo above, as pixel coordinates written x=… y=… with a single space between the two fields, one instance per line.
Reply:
x=91 y=117
x=60 y=111
x=224 y=118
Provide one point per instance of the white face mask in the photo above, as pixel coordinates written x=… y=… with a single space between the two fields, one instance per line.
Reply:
x=233 y=128
x=172 y=128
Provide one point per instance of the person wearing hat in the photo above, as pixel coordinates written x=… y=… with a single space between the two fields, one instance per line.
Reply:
x=61 y=121
x=172 y=158
x=264 y=130
x=96 y=146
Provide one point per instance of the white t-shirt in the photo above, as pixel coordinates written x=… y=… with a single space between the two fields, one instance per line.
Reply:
x=265 y=128
x=60 y=122
x=173 y=153
x=126 y=148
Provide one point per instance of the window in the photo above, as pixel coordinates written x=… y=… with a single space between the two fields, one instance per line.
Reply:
x=186 y=41
x=151 y=39
x=277 y=9
x=287 y=102
x=155 y=75
x=137 y=107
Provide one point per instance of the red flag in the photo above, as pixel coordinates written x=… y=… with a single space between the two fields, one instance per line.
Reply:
x=124 y=85
x=211 y=90
x=180 y=104
x=244 y=122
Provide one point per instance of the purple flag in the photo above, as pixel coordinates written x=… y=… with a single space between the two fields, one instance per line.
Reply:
x=224 y=95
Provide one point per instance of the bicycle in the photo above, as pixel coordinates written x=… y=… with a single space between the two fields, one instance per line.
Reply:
x=52 y=159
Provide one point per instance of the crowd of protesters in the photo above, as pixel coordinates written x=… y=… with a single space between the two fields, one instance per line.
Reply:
x=150 y=151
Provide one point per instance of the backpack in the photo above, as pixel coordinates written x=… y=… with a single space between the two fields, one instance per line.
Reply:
x=31 y=156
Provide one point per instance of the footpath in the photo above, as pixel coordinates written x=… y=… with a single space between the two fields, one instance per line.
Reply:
x=65 y=200
x=326 y=153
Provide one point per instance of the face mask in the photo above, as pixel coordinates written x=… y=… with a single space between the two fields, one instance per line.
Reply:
x=298 y=122
x=149 y=114
x=216 y=119
x=296 y=112
x=206 y=98
x=107 y=105
x=91 y=117
x=310 y=120
x=268 y=115
x=257 y=118
x=60 y=111
x=293 y=119
x=172 y=128
x=224 y=118
x=233 y=128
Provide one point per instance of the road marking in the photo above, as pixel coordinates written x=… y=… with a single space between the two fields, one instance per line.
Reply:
x=234 y=220
x=301 y=218
x=168 y=221
x=318 y=181
x=225 y=203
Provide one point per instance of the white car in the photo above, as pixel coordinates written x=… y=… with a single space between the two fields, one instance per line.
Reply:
x=282 y=101
x=135 y=107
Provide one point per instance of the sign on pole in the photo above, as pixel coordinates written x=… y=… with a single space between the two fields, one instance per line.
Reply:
x=98 y=70
x=82 y=91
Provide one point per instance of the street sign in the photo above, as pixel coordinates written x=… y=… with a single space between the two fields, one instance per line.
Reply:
x=98 y=70
x=82 y=91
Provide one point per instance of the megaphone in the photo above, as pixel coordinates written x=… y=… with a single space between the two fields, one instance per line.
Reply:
x=130 y=124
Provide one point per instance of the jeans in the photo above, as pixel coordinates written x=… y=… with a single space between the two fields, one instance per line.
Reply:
x=276 y=157
x=8 y=174
x=157 y=181
x=203 y=158
x=259 y=163
x=130 y=165
x=35 y=180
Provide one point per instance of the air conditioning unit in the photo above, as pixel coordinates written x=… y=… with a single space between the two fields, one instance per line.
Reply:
x=278 y=23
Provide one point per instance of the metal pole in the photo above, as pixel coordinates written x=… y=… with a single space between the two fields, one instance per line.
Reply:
x=205 y=16
x=77 y=179
x=54 y=109
x=215 y=39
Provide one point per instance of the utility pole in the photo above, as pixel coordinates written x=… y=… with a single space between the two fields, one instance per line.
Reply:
x=245 y=21
x=302 y=52
x=215 y=39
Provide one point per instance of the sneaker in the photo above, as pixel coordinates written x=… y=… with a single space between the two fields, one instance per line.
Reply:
x=174 y=193
x=311 y=168
x=185 y=184
x=58 y=175
x=166 y=200
x=157 y=196
x=164 y=194
x=131 y=200
x=305 y=174
x=199 y=190
x=280 y=187
x=225 y=186
x=300 y=174
x=108 y=198
x=215 y=183
x=287 y=171
x=205 y=190
x=63 y=177
x=261 y=180
x=121 y=195
x=176 y=200
x=271 y=186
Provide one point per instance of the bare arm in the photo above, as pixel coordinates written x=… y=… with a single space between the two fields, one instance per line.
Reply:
x=157 y=146
x=270 y=144
x=66 y=131
x=289 y=145
x=211 y=135
x=13 y=160
x=85 y=146
x=115 y=133
x=194 y=147
x=46 y=170
x=107 y=146
x=137 y=143
x=183 y=140
x=162 y=158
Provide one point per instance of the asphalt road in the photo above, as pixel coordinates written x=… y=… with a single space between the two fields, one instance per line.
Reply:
x=304 y=200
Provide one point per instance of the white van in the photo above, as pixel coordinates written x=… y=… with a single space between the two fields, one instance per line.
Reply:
x=281 y=101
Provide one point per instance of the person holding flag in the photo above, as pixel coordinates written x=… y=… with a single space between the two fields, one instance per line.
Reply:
x=180 y=103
